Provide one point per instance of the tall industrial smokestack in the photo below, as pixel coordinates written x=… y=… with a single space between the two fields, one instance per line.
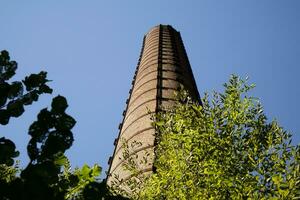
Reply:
x=162 y=68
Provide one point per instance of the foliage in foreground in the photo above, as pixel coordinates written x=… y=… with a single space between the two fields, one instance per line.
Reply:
x=48 y=175
x=223 y=149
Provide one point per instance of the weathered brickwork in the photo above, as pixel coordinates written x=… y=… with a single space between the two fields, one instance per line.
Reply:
x=163 y=66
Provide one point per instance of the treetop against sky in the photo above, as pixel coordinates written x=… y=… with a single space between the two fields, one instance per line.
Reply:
x=90 y=50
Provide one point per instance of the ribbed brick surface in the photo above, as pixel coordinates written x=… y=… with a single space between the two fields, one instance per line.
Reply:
x=162 y=67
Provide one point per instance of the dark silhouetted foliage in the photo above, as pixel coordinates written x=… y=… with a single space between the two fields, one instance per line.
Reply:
x=48 y=175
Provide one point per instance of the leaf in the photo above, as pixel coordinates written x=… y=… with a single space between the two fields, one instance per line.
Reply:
x=15 y=108
x=59 y=104
x=160 y=123
x=85 y=171
x=4 y=57
x=4 y=117
x=61 y=160
x=277 y=179
x=96 y=170
x=7 y=152
x=32 y=149
x=45 y=89
x=4 y=90
x=35 y=80
x=7 y=68
x=16 y=90
x=65 y=123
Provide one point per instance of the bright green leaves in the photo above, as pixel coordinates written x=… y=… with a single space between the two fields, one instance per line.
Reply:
x=224 y=149
x=84 y=176
x=87 y=173
x=82 y=184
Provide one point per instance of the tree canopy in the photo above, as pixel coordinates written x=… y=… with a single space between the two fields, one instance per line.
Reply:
x=48 y=175
x=223 y=149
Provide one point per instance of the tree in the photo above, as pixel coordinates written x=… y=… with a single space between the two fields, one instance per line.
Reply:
x=223 y=149
x=48 y=174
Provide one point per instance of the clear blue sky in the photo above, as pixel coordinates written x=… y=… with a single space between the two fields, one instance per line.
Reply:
x=90 y=50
